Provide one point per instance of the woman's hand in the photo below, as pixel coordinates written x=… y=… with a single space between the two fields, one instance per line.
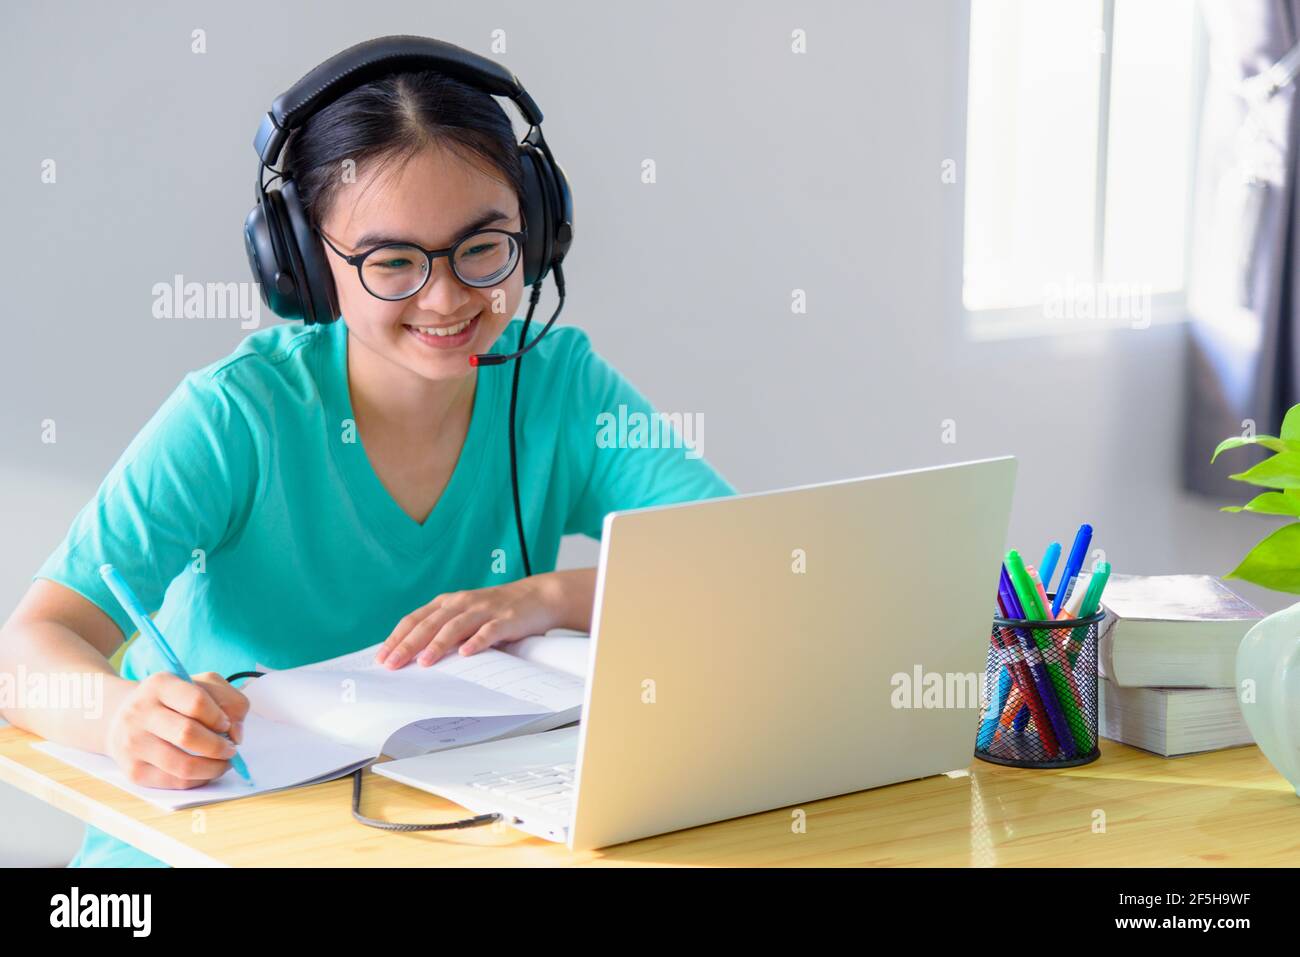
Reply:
x=164 y=717
x=483 y=617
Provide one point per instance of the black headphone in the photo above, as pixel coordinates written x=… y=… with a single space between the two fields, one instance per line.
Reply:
x=286 y=256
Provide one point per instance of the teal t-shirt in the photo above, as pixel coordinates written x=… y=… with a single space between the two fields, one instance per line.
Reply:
x=246 y=512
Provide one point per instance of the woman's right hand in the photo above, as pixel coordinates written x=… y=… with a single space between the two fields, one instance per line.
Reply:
x=164 y=717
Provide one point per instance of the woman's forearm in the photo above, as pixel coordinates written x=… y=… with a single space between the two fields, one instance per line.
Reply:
x=57 y=685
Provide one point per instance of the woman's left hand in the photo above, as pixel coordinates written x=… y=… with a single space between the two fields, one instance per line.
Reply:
x=483 y=617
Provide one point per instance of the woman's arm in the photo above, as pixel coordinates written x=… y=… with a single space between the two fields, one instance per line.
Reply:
x=163 y=731
x=54 y=631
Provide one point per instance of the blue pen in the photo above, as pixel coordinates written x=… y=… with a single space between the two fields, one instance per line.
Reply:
x=131 y=605
x=1047 y=567
x=1073 y=565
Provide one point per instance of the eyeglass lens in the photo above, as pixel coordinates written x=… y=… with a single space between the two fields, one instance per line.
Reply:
x=483 y=259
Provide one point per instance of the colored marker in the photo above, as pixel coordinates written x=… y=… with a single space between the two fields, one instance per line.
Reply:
x=1073 y=564
x=1028 y=595
x=132 y=606
x=1024 y=714
x=1034 y=658
x=1091 y=602
x=1070 y=612
x=989 y=726
x=1047 y=567
x=1024 y=695
x=1023 y=717
x=1075 y=601
x=1038 y=586
x=1025 y=677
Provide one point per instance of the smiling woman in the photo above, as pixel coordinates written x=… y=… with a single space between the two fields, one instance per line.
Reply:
x=342 y=482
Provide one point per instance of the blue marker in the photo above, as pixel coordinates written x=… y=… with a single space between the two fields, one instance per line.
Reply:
x=131 y=605
x=1047 y=567
x=1073 y=565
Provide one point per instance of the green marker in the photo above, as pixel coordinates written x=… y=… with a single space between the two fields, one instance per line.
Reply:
x=1034 y=610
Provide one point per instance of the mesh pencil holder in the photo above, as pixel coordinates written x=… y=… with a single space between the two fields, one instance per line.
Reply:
x=1040 y=702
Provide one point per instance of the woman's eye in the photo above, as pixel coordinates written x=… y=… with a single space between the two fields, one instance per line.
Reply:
x=480 y=248
x=393 y=263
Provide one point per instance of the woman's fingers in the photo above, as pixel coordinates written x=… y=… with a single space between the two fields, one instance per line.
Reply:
x=489 y=634
x=228 y=698
x=189 y=734
x=191 y=700
x=404 y=628
x=484 y=616
x=170 y=762
x=418 y=637
x=452 y=633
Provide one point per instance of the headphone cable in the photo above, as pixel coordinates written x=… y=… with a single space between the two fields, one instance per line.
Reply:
x=477 y=821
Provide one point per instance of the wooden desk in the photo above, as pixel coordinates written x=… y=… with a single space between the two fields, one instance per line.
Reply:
x=1130 y=808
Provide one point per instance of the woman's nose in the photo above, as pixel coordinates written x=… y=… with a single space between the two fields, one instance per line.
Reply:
x=443 y=293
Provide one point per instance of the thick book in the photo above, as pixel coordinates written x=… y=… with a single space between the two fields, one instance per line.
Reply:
x=1172 y=631
x=1171 y=721
x=324 y=720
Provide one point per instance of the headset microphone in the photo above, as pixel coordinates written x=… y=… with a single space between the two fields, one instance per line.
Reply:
x=496 y=358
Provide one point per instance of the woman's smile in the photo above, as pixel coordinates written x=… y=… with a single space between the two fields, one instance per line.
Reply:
x=447 y=336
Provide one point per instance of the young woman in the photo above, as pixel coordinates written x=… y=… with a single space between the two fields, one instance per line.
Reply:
x=327 y=486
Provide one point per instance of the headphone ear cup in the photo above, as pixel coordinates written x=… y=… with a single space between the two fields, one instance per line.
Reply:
x=313 y=272
x=561 y=209
x=269 y=261
x=537 y=245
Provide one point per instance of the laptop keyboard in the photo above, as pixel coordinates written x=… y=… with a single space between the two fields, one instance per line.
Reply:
x=548 y=787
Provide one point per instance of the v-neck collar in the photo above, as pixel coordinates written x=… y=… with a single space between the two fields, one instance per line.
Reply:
x=387 y=517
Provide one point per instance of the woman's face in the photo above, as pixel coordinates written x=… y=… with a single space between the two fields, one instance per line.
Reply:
x=432 y=200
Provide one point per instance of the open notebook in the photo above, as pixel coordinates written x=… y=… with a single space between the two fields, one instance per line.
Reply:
x=327 y=719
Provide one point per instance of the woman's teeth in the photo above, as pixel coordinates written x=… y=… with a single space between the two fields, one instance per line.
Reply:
x=444 y=330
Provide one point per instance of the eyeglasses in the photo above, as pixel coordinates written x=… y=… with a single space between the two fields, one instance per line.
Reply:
x=399 y=270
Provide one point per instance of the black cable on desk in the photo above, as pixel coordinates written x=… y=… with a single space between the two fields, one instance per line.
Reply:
x=467 y=822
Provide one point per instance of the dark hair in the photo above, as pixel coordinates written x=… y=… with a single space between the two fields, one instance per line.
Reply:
x=390 y=120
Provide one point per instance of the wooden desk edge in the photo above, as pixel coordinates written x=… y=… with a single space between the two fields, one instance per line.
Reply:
x=122 y=826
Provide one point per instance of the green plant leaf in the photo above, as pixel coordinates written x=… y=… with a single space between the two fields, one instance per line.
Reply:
x=1269 y=503
x=1278 y=471
x=1291 y=424
x=1274 y=562
x=1268 y=441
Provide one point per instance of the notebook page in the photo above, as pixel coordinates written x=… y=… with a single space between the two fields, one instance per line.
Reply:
x=278 y=756
x=363 y=706
x=490 y=669
x=567 y=652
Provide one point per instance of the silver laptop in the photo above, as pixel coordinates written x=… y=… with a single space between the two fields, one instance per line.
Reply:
x=757 y=652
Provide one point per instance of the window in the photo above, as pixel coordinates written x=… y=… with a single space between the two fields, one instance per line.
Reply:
x=1080 y=138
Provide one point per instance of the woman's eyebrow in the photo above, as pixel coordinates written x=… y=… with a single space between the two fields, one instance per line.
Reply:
x=379 y=239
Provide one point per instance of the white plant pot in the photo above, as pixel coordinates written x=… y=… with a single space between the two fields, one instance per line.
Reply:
x=1268 y=689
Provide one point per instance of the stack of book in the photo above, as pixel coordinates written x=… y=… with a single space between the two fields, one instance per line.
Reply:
x=1167 y=658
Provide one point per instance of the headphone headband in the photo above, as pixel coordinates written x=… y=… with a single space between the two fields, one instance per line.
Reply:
x=370 y=60
x=284 y=253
